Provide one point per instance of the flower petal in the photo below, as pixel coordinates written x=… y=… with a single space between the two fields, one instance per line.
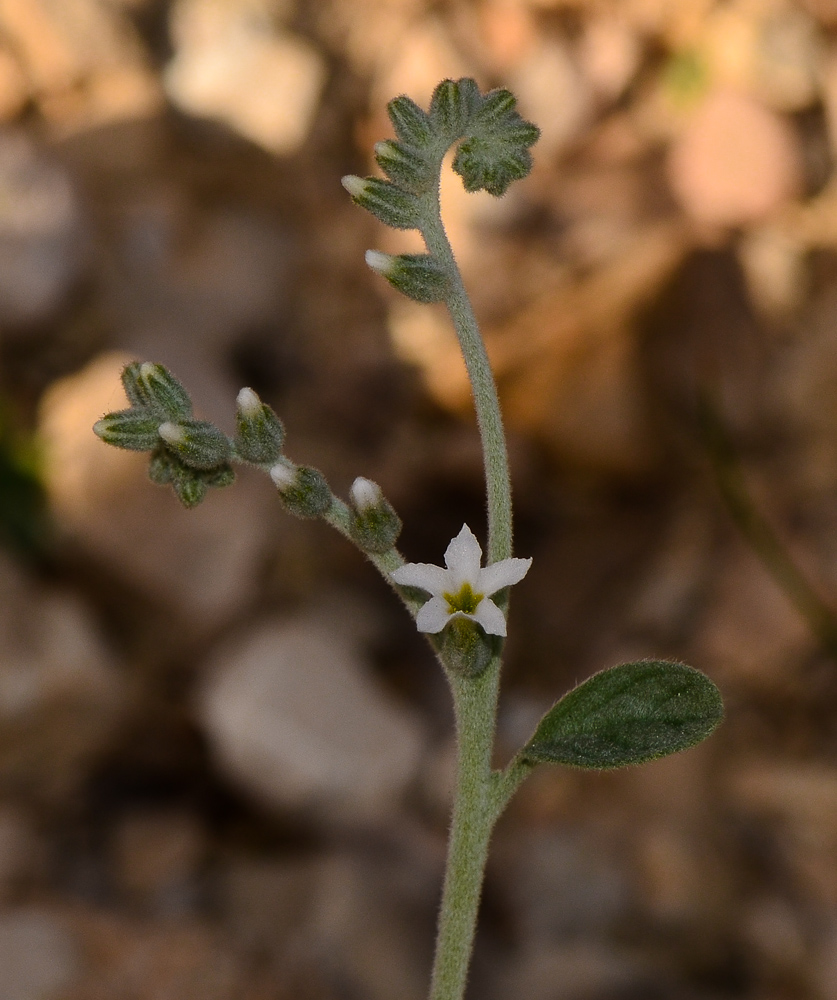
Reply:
x=463 y=558
x=426 y=576
x=490 y=617
x=502 y=574
x=433 y=616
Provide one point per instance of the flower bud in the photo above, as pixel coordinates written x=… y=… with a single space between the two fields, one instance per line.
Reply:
x=374 y=525
x=304 y=491
x=411 y=124
x=418 y=275
x=163 y=391
x=197 y=443
x=134 y=429
x=386 y=201
x=190 y=488
x=466 y=648
x=260 y=431
x=452 y=105
x=404 y=165
x=134 y=389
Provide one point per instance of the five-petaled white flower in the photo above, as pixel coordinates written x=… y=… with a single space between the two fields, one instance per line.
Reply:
x=464 y=589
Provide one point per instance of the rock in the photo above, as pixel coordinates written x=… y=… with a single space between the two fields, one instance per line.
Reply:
x=60 y=693
x=735 y=162
x=84 y=63
x=158 y=858
x=560 y=886
x=232 y=65
x=14 y=88
x=294 y=716
x=165 y=961
x=201 y=562
x=751 y=632
x=552 y=91
x=609 y=55
x=582 y=971
x=21 y=851
x=41 y=233
x=38 y=957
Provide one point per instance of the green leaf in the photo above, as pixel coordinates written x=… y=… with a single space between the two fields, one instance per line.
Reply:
x=628 y=714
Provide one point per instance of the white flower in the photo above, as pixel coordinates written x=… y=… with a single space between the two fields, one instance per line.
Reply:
x=463 y=590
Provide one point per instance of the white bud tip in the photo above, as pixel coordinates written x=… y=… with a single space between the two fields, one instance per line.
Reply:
x=380 y=262
x=248 y=402
x=364 y=493
x=146 y=369
x=100 y=427
x=171 y=433
x=383 y=148
x=354 y=185
x=283 y=476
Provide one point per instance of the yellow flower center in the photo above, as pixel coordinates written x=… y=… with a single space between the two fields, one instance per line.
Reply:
x=466 y=600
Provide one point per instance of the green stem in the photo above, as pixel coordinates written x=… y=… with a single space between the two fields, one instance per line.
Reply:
x=495 y=457
x=475 y=812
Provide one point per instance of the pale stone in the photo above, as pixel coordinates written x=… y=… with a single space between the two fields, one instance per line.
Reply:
x=609 y=54
x=14 y=88
x=552 y=91
x=83 y=61
x=38 y=957
x=751 y=630
x=232 y=65
x=294 y=716
x=735 y=162
x=41 y=234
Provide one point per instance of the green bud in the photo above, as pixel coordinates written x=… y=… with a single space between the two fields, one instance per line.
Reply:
x=494 y=108
x=163 y=391
x=404 y=165
x=190 y=488
x=418 y=276
x=163 y=467
x=375 y=526
x=197 y=443
x=223 y=475
x=134 y=429
x=453 y=104
x=304 y=491
x=466 y=648
x=411 y=124
x=386 y=201
x=260 y=431
x=134 y=389
x=489 y=165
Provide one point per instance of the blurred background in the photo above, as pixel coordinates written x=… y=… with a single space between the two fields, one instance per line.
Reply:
x=225 y=753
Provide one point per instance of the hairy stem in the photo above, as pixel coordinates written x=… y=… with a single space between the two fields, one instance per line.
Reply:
x=474 y=814
x=486 y=403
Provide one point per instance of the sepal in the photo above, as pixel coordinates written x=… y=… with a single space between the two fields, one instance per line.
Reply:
x=404 y=165
x=304 y=491
x=466 y=649
x=374 y=524
x=197 y=443
x=162 y=391
x=417 y=275
x=134 y=429
x=260 y=433
x=389 y=203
